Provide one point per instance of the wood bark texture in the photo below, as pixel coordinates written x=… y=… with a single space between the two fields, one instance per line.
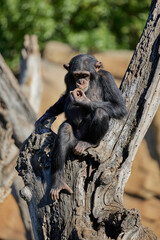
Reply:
x=8 y=156
x=96 y=209
x=14 y=108
x=16 y=122
x=16 y=119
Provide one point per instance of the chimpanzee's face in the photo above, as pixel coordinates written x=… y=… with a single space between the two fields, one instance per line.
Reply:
x=81 y=70
x=82 y=79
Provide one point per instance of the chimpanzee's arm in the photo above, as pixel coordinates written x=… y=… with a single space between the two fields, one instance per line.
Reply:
x=112 y=100
x=54 y=110
x=58 y=107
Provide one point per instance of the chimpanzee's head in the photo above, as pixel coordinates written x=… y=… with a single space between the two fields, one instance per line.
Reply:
x=81 y=69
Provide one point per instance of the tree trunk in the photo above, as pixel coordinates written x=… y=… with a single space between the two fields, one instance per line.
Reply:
x=31 y=85
x=96 y=209
x=14 y=107
x=8 y=155
x=16 y=122
x=16 y=119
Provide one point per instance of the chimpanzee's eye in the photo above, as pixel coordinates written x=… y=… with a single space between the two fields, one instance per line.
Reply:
x=80 y=75
x=76 y=76
x=84 y=75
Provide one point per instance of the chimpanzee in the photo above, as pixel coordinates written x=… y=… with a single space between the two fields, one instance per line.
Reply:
x=90 y=100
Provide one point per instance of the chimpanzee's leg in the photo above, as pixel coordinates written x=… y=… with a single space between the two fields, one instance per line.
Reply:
x=98 y=127
x=65 y=140
x=94 y=128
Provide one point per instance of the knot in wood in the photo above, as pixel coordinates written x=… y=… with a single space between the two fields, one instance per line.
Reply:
x=26 y=194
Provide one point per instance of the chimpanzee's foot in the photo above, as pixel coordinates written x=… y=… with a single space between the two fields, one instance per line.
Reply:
x=61 y=186
x=82 y=146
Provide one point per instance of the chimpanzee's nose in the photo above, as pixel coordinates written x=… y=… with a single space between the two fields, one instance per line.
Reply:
x=81 y=81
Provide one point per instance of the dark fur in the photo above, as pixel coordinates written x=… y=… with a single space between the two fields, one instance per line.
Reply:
x=88 y=121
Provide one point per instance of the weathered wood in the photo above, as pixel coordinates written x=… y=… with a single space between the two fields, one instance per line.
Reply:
x=96 y=209
x=31 y=71
x=14 y=107
x=16 y=187
x=16 y=118
x=16 y=123
x=8 y=155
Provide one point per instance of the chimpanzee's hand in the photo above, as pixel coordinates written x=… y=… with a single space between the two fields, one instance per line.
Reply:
x=41 y=120
x=78 y=97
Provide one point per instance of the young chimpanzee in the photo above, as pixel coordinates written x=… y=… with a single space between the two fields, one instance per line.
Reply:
x=90 y=100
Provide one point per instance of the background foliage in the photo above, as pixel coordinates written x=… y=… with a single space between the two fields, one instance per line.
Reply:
x=87 y=25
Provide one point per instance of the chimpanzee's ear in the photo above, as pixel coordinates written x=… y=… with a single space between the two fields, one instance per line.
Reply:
x=98 y=66
x=66 y=66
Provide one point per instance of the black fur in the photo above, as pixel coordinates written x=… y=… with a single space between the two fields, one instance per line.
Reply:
x=89 y=120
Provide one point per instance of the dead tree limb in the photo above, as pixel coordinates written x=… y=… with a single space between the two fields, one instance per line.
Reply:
x=8 y=155
x=16 y=119
x=96 y=209
x=14 y=107
x=31 y=72
x=16 y=122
